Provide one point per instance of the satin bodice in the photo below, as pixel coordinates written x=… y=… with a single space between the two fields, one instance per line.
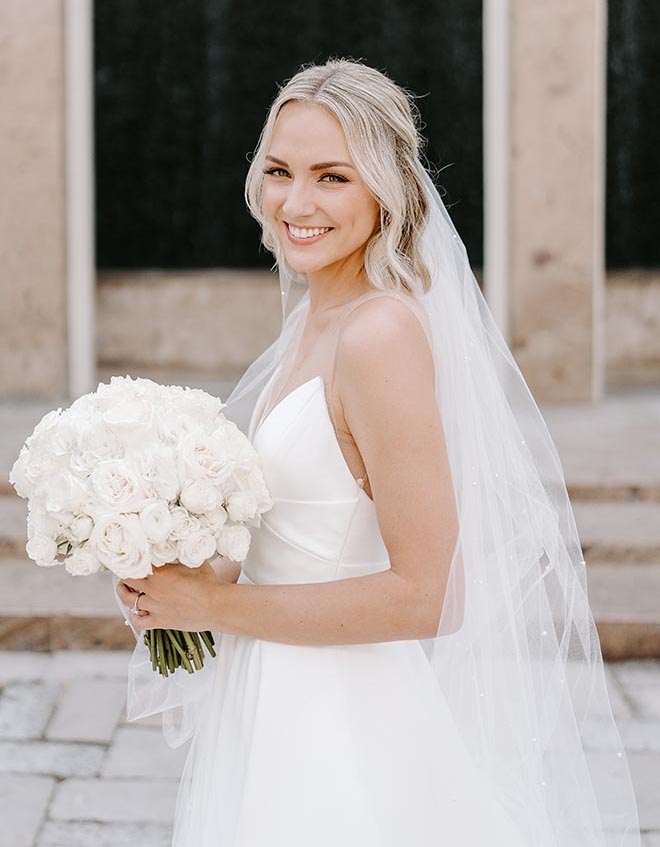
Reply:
x=323 y=525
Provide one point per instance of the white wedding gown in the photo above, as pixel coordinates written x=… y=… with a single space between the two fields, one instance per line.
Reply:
x=326 y=746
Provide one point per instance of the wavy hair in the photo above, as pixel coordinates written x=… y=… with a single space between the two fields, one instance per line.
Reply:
x=381 y=123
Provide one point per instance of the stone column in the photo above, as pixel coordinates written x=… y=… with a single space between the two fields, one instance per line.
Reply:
x=558 y=61
x=33 y=331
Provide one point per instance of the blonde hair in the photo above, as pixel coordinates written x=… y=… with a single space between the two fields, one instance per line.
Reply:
x=381 y=125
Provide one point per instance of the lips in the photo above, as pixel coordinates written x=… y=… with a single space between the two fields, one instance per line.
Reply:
x=294 y=239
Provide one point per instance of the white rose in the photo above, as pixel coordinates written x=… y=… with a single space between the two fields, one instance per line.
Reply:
x=196 y=548
x=46 y=426
x=234 y=542
x=196 y=403
x=41 y=465
x=240 y=447
x=64 y=438
x=164 y=552
x=80 y=528
x=183 y=523
x=118 y=486
x=215 y=519
x=132 y=421
x=241 y=505
x=199 y=496
x=158 y=472
x=81 y=562
x=64 y=492
x=156 y=521
x=17 y=475
x=120 y=544
x=95 y=443
x=42 y=550
x=206 y=457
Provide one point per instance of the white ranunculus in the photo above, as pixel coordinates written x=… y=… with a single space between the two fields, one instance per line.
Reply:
x=42 y=550
x=80 y=528
x=156 y=520
x=164 y=552
x=241 y=505
x=199 y=496
x=195 y=548
x=118 y=486
x=234 y=542
x=118 y=542
x=64 y=492
x=81 y=562
x=183 y=523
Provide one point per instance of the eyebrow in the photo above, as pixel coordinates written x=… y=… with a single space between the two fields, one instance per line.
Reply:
x=318 y=167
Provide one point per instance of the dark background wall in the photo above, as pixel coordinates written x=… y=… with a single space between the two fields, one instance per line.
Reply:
x=633 y=134
x=182 y=91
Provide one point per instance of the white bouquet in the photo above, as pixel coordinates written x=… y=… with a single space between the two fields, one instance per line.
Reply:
x=137 y=475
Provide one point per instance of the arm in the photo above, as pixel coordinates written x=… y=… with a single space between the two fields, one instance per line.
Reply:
x=385 y=376
x=227 y=569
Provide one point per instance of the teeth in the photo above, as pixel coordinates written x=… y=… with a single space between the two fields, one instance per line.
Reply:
x=308 y=233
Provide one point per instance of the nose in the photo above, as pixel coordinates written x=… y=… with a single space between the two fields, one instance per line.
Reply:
x=299 y=201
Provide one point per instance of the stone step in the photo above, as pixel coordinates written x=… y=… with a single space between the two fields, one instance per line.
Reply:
x=49 y=609
x=619 y=531
x=625 y=601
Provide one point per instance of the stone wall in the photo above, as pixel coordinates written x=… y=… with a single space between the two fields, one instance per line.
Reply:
x=33 y=352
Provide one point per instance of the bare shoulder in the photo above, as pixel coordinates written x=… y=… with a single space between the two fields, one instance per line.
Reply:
x=383 y=335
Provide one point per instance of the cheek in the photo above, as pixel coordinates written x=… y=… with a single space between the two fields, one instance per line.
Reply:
x=270 y=200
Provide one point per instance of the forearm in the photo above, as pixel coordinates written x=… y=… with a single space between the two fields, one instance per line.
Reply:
x=375 y=607
x=227 y=569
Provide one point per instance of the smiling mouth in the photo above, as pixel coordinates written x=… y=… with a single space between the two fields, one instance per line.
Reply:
x=306 y=235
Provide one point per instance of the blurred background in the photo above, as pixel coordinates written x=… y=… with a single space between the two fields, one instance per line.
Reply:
x=126 y=248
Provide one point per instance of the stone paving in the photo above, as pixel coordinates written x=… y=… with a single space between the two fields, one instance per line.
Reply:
x=75 y=773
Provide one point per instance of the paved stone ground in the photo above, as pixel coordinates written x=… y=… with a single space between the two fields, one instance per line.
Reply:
x=75 y=773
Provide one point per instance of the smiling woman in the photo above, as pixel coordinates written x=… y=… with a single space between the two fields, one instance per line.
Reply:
x=326 y=203
x=408 y=655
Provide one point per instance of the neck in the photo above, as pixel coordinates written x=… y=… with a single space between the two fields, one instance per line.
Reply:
x=330 y=290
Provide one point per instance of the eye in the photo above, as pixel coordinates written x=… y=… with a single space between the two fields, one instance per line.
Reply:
x=336 y=176
x=273 y=171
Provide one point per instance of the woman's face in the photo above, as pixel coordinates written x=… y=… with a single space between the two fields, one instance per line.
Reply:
x=311 y=184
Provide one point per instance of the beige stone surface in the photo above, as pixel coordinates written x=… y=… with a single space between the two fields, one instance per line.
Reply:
x=208 y=322
x=556 y=249
x=32 y=230
x=632 y=327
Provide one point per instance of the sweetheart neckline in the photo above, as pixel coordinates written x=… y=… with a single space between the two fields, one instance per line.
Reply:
x=327 y=413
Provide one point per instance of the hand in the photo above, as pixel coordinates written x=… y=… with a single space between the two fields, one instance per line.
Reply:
x=175 y=597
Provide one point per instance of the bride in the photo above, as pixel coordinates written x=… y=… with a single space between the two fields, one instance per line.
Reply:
x=407 y=655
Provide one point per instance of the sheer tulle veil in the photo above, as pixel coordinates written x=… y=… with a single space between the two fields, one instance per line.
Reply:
x=516 y=654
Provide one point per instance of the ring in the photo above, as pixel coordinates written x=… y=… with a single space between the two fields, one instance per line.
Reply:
x=134 y=609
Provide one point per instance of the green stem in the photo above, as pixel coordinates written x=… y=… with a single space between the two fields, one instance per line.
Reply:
x=207 y=637
x=167 y=641
x=161 y=652
x=150 y=641
x=194 y=647
x=183 y=655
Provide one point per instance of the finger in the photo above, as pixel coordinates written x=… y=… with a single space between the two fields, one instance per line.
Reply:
x=126 y=595
x=137 y=584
